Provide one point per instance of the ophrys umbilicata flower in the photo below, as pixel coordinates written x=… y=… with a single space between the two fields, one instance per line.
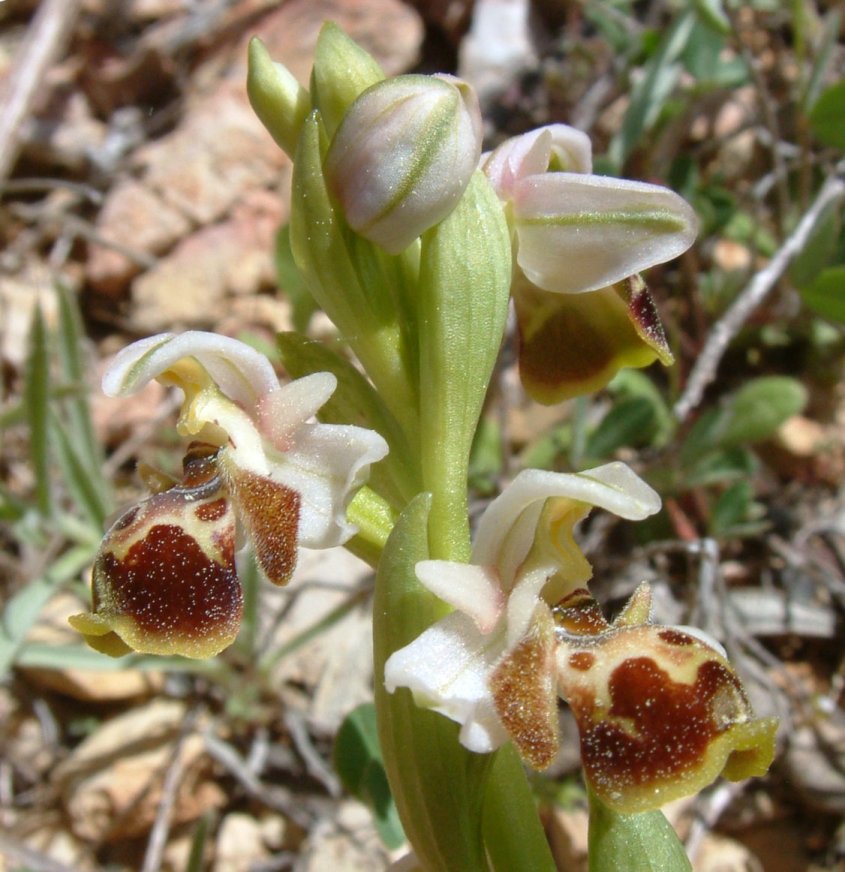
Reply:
x=164 y=578
x=526 y=631
x=580 y=242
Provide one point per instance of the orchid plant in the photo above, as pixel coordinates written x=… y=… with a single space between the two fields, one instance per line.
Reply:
x=413 y=243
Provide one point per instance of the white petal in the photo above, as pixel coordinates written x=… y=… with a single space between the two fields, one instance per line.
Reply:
x=531 y=153
x=285 y=409
x=241 y=372
x=522 y=604
x=504 y=534
x=580 y=232
x=327 y=462
x=572 y=147
x=446 y=668
x=474 y=590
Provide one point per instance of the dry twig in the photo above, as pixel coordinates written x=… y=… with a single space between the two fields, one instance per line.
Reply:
x=45 y=39
x=161 y=826
x=750 y=298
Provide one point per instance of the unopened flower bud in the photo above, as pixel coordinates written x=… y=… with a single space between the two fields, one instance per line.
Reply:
x=403 y=156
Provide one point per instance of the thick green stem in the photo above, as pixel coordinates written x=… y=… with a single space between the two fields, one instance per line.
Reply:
x=464 y=283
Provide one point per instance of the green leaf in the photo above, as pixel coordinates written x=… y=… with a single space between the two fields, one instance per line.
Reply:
x=52 y=656
x=702 y=437
x=713 y=14
x=75 y=368
x=720 y=466
x=651 y=93
x=827 y=117
x=631 y=383
x=629 y=422
x=36 y=392
x=437 y=784
x=77 y=476
x=365 y=314
x=276 y=97
x=823 y=55
x=759 y=407
x=734 y=508
x=23 y=609
x=512 y=830
x=818 y=249
x=196 y=858
x=291 y=283
x=342 y=71
x=633 y=842
x=826 y=295
x=358 y=762
x=251 y=578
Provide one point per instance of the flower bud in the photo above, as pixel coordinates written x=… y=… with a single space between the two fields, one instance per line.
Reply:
x=403 y=156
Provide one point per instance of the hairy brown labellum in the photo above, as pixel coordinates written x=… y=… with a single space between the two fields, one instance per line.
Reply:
x=660 y=715
x=164 y=577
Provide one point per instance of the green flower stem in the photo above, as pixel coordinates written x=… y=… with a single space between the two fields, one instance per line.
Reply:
x=512 y=831
x=356 y=402
x=464 y=284
x=635 y=842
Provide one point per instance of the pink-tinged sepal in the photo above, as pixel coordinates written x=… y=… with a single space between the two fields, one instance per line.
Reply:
x=556 y=148
x=164 y=577
x=403 y=156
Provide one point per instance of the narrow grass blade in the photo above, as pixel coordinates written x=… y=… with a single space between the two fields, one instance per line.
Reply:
x=76 y=475
x=23 y=609
x=36 y=392
x=71 y=343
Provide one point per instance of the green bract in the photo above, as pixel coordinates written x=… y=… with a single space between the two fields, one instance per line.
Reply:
x=277 y=98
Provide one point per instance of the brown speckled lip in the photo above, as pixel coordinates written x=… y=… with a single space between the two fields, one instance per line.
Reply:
x=656 y=728
x=170 y=588
x=165 y=578
x=583 y=661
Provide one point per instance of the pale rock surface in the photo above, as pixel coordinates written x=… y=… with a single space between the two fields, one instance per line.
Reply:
x=108 y=685
x=217 y=162
x=111 y=784
x=347 y=842
x=335 y=665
